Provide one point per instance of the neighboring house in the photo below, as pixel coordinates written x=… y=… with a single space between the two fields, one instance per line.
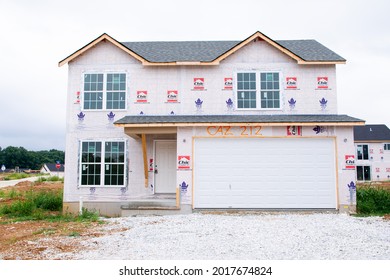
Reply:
x=52 y=170
x=249 y=124
x=372 y=144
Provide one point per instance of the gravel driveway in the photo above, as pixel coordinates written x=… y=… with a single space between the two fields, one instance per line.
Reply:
x=242 y=236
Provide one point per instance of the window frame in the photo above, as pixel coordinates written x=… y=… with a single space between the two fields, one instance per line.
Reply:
x=258 y=90
x=104 y=91
x=103 y=163
x=386 y=146
x=362 y=170
x=362 y=151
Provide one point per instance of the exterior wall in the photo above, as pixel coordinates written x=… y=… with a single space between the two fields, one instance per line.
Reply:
x=379 y=160
x=158 y=80
x=346 y=175
x=96 y=125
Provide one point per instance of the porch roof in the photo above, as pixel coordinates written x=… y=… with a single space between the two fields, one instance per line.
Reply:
x=265 y=120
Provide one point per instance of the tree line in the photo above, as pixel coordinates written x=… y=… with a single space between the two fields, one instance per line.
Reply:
x=12 y=157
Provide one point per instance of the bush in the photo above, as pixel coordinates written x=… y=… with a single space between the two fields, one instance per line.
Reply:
x=32 y=204
x=18 y=209
x=372 y=201
x=48 y=201
x=42 y=205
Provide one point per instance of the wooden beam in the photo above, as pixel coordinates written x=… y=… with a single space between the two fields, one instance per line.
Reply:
x=150 y=130
x=101 y=38
x=146 y=171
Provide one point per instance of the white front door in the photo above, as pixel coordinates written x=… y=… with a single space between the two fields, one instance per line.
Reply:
x=165 y=167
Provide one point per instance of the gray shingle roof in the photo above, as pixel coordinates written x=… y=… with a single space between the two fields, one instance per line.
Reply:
x=144 y=119
x=52 y=167
x=206 y=51
x=310 y=50
x=181 y=51
x=372 y=132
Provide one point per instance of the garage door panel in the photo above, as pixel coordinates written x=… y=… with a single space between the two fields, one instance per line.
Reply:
x=264 y=173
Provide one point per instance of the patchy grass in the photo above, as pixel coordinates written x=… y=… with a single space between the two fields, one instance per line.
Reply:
x=74 y=234
x=50 y=179
x=16 y=176
x=31 y=219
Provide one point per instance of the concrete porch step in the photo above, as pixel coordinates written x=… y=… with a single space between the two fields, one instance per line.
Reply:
x=160 y=203
x=153 y=210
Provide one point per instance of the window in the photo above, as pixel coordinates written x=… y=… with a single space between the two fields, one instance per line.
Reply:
x=362 y=152
x=246 y=90
x=102 y=163
x=93 y=91
x=116 y=91
x=104 y=91
x=258 y=90
x=270 y=90
x=387 y=147
x=363 y=173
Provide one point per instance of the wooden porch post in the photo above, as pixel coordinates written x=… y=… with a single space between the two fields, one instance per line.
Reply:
x=143 y=138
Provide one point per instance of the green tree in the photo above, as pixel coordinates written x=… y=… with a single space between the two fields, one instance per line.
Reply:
x=19 y=156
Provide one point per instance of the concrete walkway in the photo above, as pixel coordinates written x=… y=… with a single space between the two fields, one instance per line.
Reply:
x=10 y=183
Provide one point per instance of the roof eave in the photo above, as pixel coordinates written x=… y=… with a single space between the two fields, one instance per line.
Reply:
x=186 y=124
x=316 y=62
x=371 y=141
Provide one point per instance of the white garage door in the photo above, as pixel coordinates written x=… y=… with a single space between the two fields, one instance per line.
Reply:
x=264 y=173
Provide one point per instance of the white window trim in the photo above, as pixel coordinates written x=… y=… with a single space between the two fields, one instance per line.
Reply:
x=258 y=90
x=104 y=101
x=102 y=167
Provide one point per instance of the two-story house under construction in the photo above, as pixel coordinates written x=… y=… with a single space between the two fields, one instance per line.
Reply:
x=372 y=143
x=182 y=126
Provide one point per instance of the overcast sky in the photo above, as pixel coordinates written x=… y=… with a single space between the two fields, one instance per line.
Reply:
x=37 y=34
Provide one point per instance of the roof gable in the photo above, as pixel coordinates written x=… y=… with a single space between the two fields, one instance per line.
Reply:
x=372 y=132
x=212 y=52
x=99 y=39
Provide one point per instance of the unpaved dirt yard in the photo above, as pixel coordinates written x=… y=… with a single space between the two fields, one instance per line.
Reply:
x=33 y=240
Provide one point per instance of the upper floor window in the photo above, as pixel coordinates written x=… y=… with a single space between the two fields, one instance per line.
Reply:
x=258 y=90
x=104 y=91
x=387 y=147
x=362 y=152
